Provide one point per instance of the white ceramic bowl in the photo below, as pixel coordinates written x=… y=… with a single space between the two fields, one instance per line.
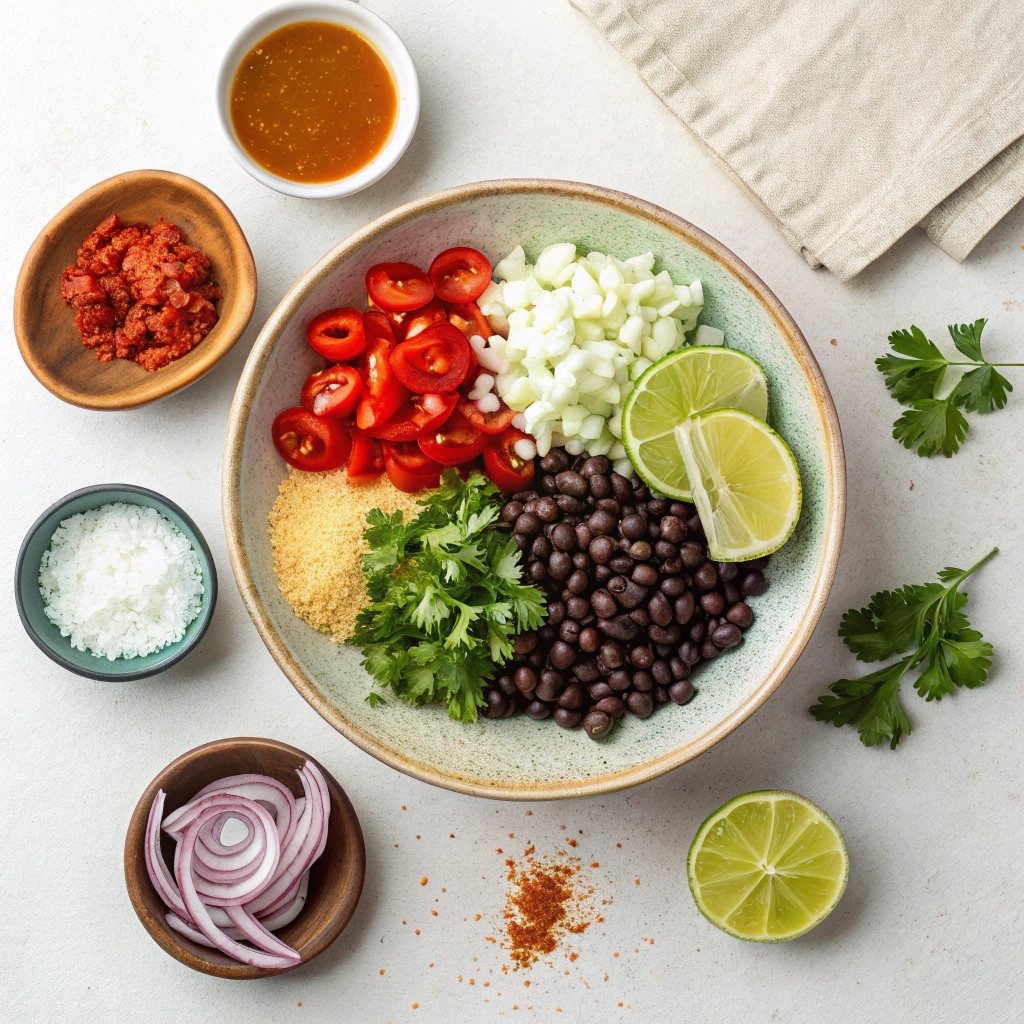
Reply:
x=391 y=49
x=518 y=758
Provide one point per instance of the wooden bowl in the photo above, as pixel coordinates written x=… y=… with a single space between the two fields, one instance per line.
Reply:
x=44 y=324
x=335 y=880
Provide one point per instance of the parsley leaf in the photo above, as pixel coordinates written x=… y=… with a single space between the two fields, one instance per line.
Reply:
x=446 y=597
x=914 y=372
x=929 y=618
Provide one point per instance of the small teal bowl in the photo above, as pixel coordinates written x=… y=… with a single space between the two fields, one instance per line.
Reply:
x=47 y=637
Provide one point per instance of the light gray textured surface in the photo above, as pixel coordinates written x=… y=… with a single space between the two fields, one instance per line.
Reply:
x=930 y=927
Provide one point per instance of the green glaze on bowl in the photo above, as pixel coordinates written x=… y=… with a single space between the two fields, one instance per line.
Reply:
x=518 y=758
x=47 y=637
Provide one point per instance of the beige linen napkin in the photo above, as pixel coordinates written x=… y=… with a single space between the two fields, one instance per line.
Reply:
x=848 y=121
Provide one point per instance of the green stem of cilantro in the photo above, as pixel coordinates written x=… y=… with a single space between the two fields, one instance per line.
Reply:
x=949 y=363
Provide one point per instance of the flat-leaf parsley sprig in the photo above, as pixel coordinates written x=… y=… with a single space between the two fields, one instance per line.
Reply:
x=949 y=653
x=446 y=596
x=914 y=372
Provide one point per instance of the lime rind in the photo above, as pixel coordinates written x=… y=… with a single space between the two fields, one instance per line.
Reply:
x=801 y=843
x=744 y=481
x=683 y=383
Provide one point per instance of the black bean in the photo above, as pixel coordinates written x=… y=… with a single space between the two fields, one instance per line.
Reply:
x=610 y=505
x=577 y=582
x=641 y=617
x=547 y=509
x=556 y=612
x=659 y=609
x=689 y=652
x=679 y=668
x=709 y=650
x=672 y=567
x=681 y=691
x=662 y=650
x=522 y=542
x=731 y=593
x=713 y=603
x=601 y=548
x=642 y=681
x=670 y=635
x=660 y=695
x=555 y=461
x=561 y=654
x=727 y=571
x=633 y=527
x=538 y=572
x=682 y=610
x=662 y=673
x=640 y=550
x=511 y=511
x=653 y=531
x=567 y=503
x=596 y=464
x=680 y=510
x=641 y=508
x=550 y=686
x=610 y=706
x=536 y=710
x=563 y=536
x=497 y=702
x=673 y=586
x=753 y=583
x=577 y=607
x=657 y=507
x=620 y=487
x=692 y=554
x=741 y=614
x=601 y=523
x=525 y=679
x=612 y=654
x=506 y=684
x=590 y=640
x=547 y=633
x=548 y=484
x=581 y=560
x=584 y=536
x=673 y=529
x=695 y=526
x=706 y=576
x=665 y=551
x=527 y=524
x=621 y=563
x=640 y=491
x=698 y=631
x=524 y=643
x=559 y=565
x=603 y=603
x=620 y=680
x=573 y=696
x=640 y=704
x=567 y=719
x=540 y=548
x=597 y=724
x=599 y=690
x=641 y=657
x=600 y=486
x=571 y=483
x=727 y=636
x=602 y=574
x=586 y=671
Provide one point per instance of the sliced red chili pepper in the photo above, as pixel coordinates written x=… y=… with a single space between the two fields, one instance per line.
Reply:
x=460 y=274
x=509 y=471
x=373 y=410
x=337 y=334
x=455 y=442
x=419 y=414
x=367 y=460
x=436 y=360
x=333 y=392
x=309 y=442
x=384 y=395
x=396 y=321
x=408 y=468
x=469 y=319
x=398 y=286
x=487 y=422
x=419 y=319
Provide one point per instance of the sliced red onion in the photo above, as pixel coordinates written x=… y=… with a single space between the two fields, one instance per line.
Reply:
x=222 y=895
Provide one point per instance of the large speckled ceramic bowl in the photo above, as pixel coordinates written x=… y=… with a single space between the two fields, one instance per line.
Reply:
x=518 y=758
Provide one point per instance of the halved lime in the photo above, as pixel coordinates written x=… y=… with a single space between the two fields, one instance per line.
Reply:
x=768 y=866
x=744 y=482
x=683 y=383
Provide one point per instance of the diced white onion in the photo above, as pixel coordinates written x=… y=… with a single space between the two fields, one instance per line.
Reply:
x=525 y=448
x=488 y=403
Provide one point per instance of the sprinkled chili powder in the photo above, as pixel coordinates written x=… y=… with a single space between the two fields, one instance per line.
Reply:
x=547 y=901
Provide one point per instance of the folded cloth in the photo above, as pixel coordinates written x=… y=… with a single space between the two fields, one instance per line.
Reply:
x=847 y=121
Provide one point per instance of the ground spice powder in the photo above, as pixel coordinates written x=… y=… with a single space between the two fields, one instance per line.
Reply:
x=546 y=902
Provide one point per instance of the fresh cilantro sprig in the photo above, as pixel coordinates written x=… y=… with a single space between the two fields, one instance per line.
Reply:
x=949 y=653
x=446 y=596
x=914 y=372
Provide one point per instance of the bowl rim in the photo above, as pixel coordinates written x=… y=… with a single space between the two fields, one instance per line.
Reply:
x=116 y=677
x=153 y=387
x=396 y=57
x=168 y=941
x=248 y=386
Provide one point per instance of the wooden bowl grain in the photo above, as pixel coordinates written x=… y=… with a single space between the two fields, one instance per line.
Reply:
x=44 y=324
x=335 y=880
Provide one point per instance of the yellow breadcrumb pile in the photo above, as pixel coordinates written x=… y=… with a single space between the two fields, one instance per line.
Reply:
x=316 y=532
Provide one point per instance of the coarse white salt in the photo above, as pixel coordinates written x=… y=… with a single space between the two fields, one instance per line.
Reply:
x=121 y=581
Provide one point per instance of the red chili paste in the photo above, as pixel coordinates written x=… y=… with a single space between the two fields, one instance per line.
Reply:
x=140 y=293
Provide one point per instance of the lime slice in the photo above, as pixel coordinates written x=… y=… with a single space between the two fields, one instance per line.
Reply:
x=768 y=866
x=744 y=481
x=683 y=383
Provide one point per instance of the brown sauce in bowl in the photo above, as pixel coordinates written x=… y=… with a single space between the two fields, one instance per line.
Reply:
x=313 y=102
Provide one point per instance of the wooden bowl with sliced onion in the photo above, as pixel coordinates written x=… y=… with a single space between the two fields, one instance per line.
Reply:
x=335 y=878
